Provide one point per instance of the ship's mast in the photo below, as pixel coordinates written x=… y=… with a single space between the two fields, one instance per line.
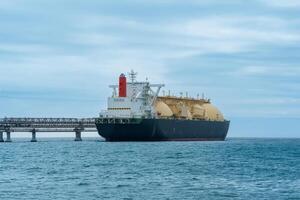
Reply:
x=132 y=75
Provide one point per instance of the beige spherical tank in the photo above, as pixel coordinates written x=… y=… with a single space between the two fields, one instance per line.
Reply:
x=163 y=109
x=184 y=111
x=198 y=111
x=212 y=113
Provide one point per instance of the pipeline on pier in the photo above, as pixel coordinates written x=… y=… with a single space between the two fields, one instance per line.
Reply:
x=34 y=125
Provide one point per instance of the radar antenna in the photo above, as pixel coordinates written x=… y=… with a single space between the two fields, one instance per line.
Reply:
x=132 y=75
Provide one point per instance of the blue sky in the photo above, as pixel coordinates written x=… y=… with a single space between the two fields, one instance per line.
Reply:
x=57 y=57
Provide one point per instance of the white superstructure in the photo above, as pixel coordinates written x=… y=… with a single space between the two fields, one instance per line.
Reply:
x=133 y=99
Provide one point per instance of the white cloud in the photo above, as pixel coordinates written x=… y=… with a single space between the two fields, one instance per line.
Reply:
x=93 y=39
x=15 y=5
x=283 y=3
x=265 y=112
x=77 y=71
x=267 y=71
x=25 y=48
x=5 y=5
x=247 y=30
x=271 y=101
x=184 y=38
x=92 y=50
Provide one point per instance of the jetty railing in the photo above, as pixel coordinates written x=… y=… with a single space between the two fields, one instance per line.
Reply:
x=34 y=125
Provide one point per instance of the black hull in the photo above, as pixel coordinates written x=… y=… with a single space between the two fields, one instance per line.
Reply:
x=162 y=130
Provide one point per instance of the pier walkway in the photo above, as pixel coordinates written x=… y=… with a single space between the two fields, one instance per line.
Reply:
x=34 y=125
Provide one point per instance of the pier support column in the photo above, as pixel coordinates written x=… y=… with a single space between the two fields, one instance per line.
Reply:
x=78 y=135
x=33 y=138
x=1 y=136
x=8 y=139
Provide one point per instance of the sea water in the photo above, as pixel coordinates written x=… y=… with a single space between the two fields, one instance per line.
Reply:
x=94 y=169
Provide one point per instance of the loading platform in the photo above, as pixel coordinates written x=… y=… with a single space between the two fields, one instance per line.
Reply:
x=34 y=125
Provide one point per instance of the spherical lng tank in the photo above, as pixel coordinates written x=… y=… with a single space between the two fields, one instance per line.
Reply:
x=163 y=109
x=212 y=113
x=198 y=111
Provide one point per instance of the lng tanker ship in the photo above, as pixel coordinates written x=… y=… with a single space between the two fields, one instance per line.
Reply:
x=136 y=113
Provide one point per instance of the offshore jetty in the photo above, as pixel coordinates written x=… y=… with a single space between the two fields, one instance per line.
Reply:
x=135 y=112
x=34 y=125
